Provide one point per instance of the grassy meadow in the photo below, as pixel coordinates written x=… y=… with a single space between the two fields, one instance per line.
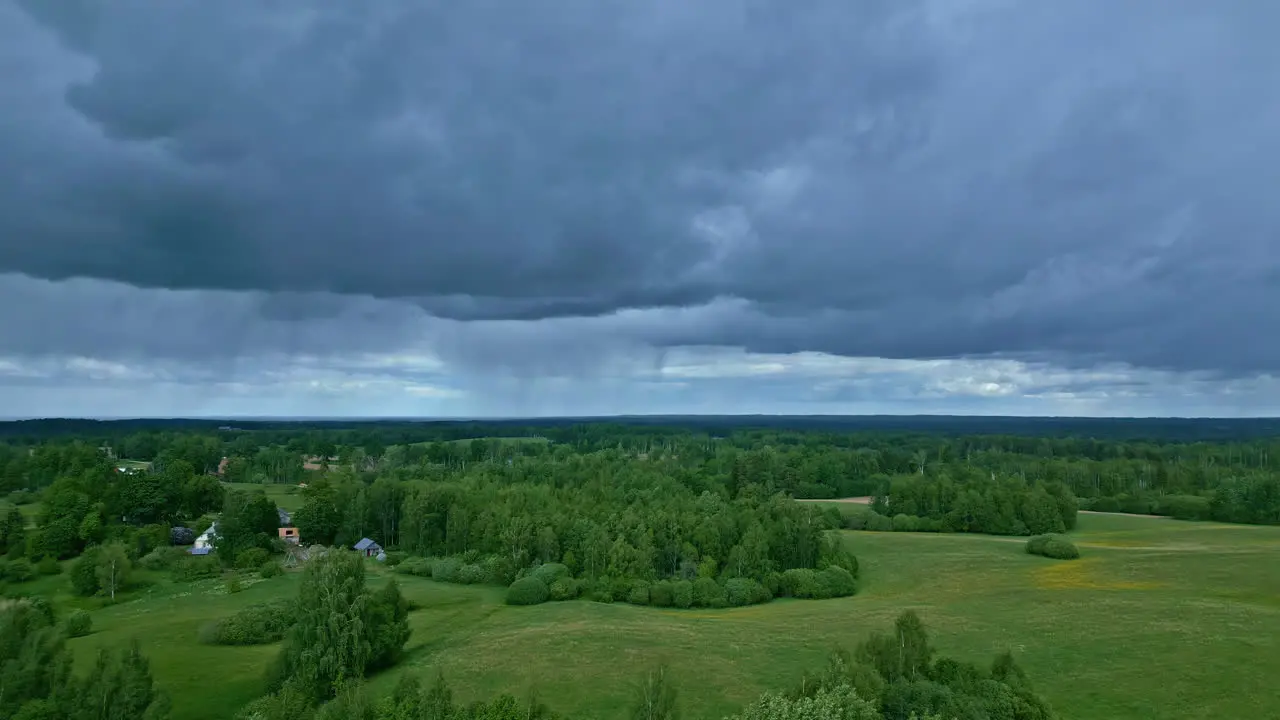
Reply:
x=285 y=495
x=1159 y=619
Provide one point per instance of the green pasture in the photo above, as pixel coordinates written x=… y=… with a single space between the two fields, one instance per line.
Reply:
x=1158 y=620
x=285 y=495
x=468 y=441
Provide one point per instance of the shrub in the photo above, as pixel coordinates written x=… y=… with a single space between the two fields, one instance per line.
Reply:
x=472 y=574
x=835 y=581
x=566 y=588
x=251 y=558
x=233 y=584
x=148 y=538
x=708 y=593
x=858 y=519
x=1106 y=504
x=550 y=572
x=1184 y=507
x=19 y=571
x=446 y=570
x=1057 y=547
x=619 y=588
x=528 y=590
x=162 y=558
x=395 y=557
x=745 y=591
x=84 y=573
x=662 y=594
x=418 y=566
x=78 y=624
x=499 y=569
x=195 y=568
x=181 y=536
x=682 y=594
x=905 y=523
x=48 y=565
x=879 y=523
x=639 y=593
x=269 y=569
x=802 y=583
x=259 y=624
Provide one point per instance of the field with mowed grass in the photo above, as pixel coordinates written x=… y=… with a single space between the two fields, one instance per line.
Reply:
x=285 y=495
x=1159 y=619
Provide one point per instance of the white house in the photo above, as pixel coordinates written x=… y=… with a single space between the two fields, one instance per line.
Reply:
x=206 y=538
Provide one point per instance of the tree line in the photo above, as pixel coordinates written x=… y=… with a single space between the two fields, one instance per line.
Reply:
x=1234 y=481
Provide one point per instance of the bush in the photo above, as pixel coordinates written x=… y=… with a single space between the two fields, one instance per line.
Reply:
x=835 y=581
x=682 y=594
x=195 y=568
x=419 y=566
x=251 y=558
x=270 y=569
x=528 y=590
x=181 y=536
x=78 y=624
x=472 y=574
x=708 y=593
x=395 y=557
x=84 y=573
x=879 y=523
x=1184 y=507
x=566 y=588
x=499 y=569
x=905 y=523
x=618 y=588
x=446 y=570
x=48 y=565
x=662 y=594
x=1057 y=547
x=802 y=583
x=745 y=591
x=639 y=593
x=1106 y=504
x=259 y=624
x=148 y=538
x=19 y=571
x=233 y=584
x=550 y=572
x=162 y=558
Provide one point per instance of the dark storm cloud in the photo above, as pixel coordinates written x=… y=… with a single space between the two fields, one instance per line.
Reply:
x=1086 y=180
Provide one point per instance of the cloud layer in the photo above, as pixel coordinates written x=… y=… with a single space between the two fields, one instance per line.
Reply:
x=568 y=201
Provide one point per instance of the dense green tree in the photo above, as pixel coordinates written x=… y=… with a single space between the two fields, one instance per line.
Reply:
x=113 y=569
x=249 y=520
x=342 y=629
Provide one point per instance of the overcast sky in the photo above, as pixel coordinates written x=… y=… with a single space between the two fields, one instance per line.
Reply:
x=431 y=207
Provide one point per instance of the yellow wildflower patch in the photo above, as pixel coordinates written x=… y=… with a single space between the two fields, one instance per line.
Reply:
x=1082 y=575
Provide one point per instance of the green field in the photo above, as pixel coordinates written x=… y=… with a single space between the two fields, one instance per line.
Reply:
x=285 y=495
x=1159 y=619
x=515 y=439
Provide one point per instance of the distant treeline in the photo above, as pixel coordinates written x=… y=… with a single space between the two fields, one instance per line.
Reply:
x=1226 y=481
x=404 y=430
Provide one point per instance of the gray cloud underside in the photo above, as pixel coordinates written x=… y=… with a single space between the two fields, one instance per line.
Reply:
x=1087 y=181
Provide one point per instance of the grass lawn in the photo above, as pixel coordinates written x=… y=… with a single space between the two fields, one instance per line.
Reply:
x=1159 y=619
x=133 y=464
x=467 y=441
x=285 y=495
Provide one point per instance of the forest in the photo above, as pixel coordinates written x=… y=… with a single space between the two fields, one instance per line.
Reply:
x=685 y=517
